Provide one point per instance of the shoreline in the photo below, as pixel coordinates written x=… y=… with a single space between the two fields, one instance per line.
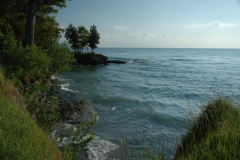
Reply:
x=75 y=110
x=81 y=112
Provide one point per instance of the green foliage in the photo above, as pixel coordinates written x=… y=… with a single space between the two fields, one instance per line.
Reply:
x=68 y=153
x=79 y=138
x=29 y=64
x=93 y=37
x=20 y=137
x=83 y=35
x=61 y=57
x=35 y=8
x=80 y=38
x=71 y=35
x=9 y=90
x=13 y=13
x=47 y=31
x=32 y=67
x=7 y=43
x=214 y=134
x=130 y=153
x=42 y=104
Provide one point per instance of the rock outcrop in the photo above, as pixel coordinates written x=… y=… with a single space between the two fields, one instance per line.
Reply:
x=116 y=61
x=90 y=59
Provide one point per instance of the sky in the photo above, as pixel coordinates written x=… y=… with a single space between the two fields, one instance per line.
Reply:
x=157 y=23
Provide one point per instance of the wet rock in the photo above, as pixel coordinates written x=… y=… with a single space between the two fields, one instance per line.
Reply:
x=116 y=61
x=90 y=59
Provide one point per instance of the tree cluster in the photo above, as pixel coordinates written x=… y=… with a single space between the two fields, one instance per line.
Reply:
x=80 y=37
x=30 y=53
x=29 y=37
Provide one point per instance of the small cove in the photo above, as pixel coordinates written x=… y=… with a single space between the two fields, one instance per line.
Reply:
x=154 y=92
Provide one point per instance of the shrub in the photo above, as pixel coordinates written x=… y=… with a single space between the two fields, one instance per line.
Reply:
x=7 y=44
x=28 y=64
x=61 y=57
x=42 y=104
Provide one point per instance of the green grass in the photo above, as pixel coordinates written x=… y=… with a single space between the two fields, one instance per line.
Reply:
x=215 y=134
x=20 y=137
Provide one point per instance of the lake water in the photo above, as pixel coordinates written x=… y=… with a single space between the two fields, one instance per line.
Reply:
x=150 y=99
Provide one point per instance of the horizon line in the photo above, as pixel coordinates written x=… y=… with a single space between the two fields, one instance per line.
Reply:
x=165 y=48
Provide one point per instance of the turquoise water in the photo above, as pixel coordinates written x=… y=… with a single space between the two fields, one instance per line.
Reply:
x=155 y=92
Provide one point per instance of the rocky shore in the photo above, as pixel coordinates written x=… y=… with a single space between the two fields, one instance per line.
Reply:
x=94 y=59
x=74 y=110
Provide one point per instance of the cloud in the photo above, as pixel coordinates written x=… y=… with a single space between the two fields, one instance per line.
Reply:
x=139 y=35
x=222 y=36
x=193 y=26
x=120 y=28
x=221 y=25
x=216 y=24
x=204 y=38
x=109 y=35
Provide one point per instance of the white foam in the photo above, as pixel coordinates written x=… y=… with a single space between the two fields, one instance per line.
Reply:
x=97 y=118
x=65 y=85
x=130 y=61
x=113 y=109
x=54 y=77
x=99 y=149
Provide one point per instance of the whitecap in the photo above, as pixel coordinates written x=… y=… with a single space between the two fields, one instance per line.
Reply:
x=99 y=148
x=130 y=61
x=64 y=87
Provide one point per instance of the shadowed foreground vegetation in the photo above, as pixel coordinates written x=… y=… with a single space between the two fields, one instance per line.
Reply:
x=20 y=137
x=214 y=134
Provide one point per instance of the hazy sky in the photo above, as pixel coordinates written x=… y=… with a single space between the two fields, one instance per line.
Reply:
x=158 y=23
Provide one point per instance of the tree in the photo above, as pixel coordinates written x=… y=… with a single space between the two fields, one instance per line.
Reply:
x=34 y=6
x=47 y=31
x=13 y=13
x=93 y=37
x=71 y=35
x=83 y=35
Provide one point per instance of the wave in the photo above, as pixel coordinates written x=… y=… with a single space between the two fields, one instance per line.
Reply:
x=63 y=83
x=138 y=62
x=99 y=148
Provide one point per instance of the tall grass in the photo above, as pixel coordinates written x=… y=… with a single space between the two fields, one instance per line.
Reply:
x=215 y=134
x=8 y=89
x=20 y=137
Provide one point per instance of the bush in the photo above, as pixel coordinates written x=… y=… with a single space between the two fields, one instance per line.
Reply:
x=7 y=44
x=61 y=57
x=42 y=104
x=31 y=63
x=28 y=64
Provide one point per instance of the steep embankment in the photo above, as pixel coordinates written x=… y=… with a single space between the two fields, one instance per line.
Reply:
x=20 y=137
x=214 y=134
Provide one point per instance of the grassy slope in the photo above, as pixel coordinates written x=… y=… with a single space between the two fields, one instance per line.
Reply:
x=20 y=137
x=214 y=135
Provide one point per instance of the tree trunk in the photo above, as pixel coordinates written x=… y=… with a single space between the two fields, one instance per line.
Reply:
x=31 y=22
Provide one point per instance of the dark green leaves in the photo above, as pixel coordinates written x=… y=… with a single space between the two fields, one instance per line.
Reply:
x=93 y=37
